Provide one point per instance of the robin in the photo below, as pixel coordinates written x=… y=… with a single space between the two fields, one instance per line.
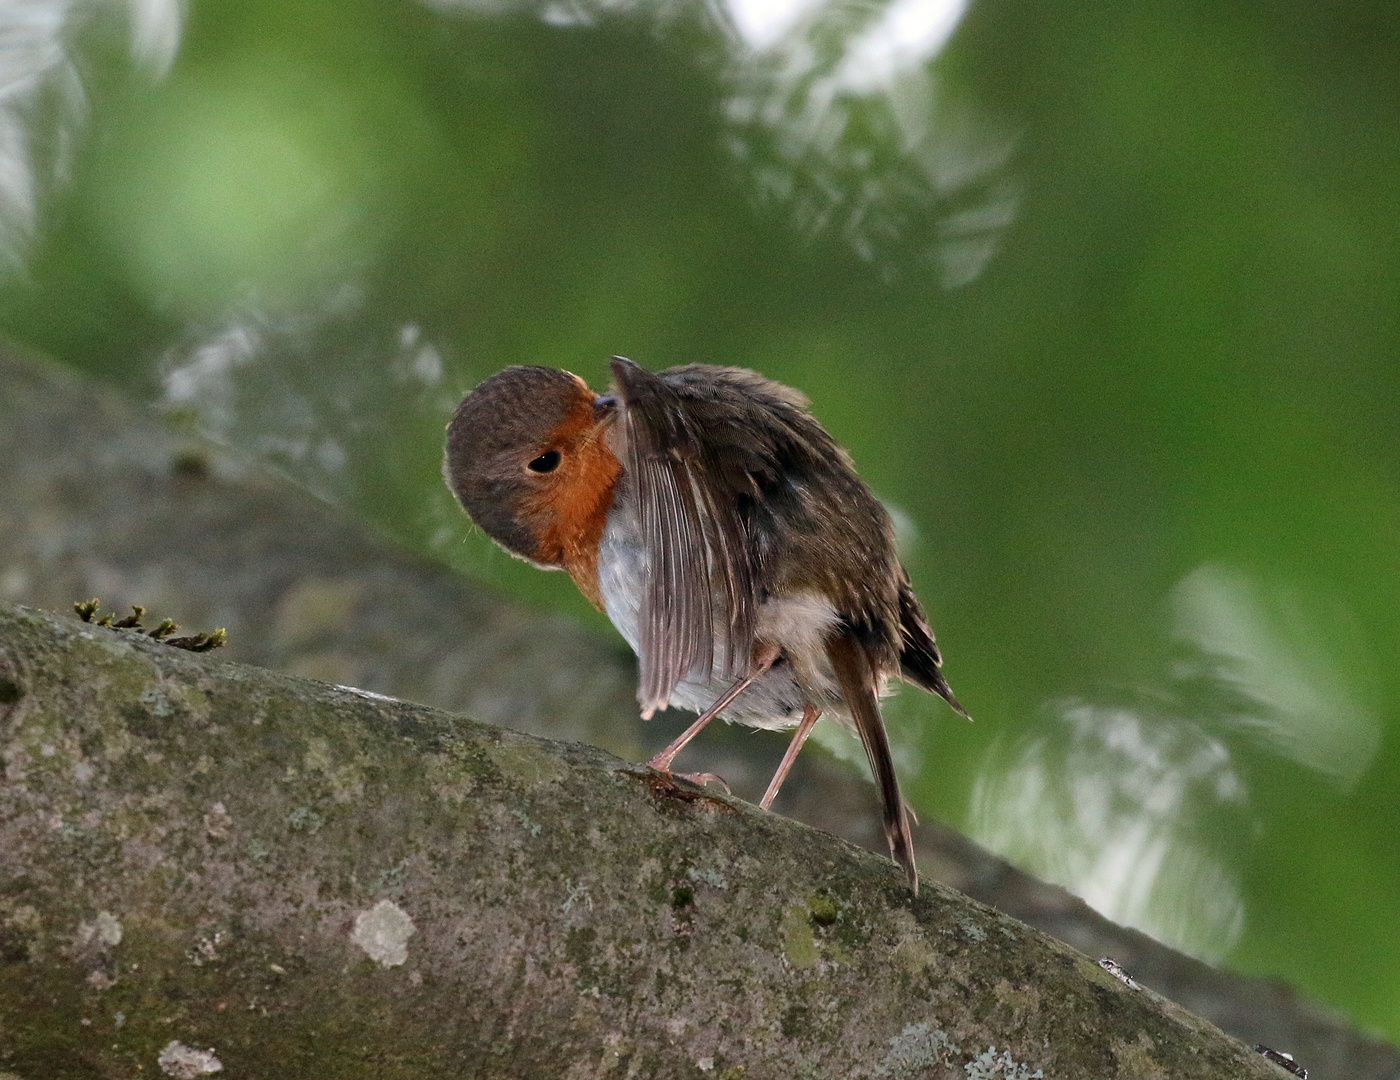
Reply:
x=726 y=536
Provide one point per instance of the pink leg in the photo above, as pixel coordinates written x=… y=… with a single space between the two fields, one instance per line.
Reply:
x=662 y=761
x=809 y=719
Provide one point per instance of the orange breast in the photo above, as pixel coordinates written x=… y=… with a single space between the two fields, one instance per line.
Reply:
x=569 y=511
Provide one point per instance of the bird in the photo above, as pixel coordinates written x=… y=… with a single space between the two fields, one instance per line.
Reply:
x=726 y=536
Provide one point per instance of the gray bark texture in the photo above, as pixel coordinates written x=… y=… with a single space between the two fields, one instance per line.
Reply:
x=100 y=498
x=209 y=864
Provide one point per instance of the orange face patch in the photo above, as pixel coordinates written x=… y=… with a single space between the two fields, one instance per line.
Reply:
x=568 y=507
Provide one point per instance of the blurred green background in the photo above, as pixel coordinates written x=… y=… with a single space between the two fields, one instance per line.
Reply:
x=1104 y=299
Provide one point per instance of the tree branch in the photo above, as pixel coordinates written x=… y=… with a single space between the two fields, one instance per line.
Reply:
x=203 y=862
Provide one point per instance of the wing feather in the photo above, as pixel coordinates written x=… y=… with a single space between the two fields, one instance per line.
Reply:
x=919 y=658
x=697 y=606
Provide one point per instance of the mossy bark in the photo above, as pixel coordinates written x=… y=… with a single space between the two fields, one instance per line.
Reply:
x=205 y=863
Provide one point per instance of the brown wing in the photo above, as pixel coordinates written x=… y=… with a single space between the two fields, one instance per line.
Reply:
x=919 y=659
x=699 y=592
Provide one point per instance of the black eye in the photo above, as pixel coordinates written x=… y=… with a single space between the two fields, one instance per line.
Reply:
x=546 y=462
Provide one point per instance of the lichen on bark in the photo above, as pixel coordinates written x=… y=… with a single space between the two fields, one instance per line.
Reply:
x=304 y=880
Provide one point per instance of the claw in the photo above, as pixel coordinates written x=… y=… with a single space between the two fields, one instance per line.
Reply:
x=700 y=779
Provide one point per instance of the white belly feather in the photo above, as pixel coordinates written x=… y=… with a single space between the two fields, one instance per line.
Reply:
x=797 y=623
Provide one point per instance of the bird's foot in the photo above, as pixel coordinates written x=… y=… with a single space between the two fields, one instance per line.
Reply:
x=699 y=779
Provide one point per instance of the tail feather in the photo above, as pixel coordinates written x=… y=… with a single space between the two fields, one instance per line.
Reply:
x=856 y=677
